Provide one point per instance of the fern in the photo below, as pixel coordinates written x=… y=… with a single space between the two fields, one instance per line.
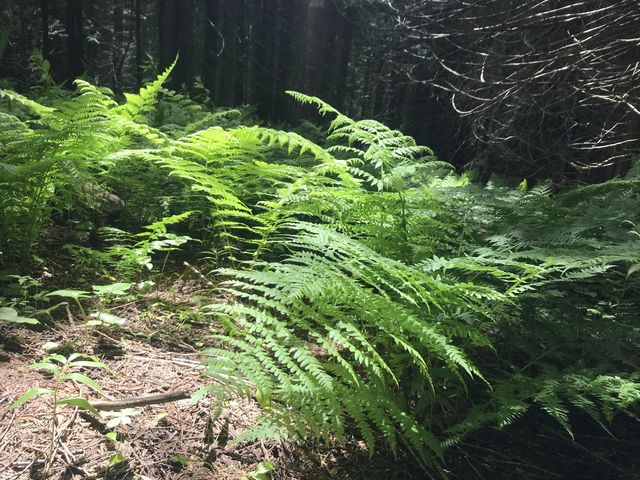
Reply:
x=27 y=103
x=333 y=330
x=369 y=289
x=138 y=106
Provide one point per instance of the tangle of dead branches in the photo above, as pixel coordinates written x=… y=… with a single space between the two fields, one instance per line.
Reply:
x=548 y=87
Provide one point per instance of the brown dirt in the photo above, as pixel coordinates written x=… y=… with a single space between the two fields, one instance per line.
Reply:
x=153 y=445
x=154 y=352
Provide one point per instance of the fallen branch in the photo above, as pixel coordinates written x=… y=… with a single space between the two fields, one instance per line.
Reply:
x=141 y=401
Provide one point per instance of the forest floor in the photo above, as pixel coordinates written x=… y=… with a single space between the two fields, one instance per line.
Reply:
x=156 y=352
x=151 y=354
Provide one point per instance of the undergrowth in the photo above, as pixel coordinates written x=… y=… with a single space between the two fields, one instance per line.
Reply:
x=373 y=291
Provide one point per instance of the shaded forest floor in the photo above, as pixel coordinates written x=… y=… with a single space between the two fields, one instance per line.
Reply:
x=156 y=351
x=150 y=354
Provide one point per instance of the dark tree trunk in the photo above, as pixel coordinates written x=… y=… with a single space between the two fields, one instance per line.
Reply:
x=297 y=63
x=175 y=22
x=183 y=14
x=380 y=88
x=118 y=44
x=283 y=73
x=75 y=40
x=241 y=54
x=138 y=27
x=213 y=42
x=229 y=72
x=314 y=42
x=322 y=66
x=263 y=58
x=44 y=27
x=345 y=44
x=162 y=31
x=329 y=49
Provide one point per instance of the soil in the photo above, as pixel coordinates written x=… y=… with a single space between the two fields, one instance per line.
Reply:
x=170 y=441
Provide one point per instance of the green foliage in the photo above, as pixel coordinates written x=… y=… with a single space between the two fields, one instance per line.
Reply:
x=129 y=258
x=8 y=314
x=335 y=329
x=113 y=290
x=47 y=164
x=368 y=328
x=85 y=156
x=367 y=288
x=104 y=318
x=24 y=294
x=137 y=106
x=263 y=471
x=118 y=418
x=63 y=369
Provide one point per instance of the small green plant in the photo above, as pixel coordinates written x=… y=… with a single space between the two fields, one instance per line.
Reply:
x=130 y=254
x=10 y=315
x=106 y=294
x=111 y=291
x=102 y=319
x=74 y=295
x=263 y=471
x=23 y=294
x=117 y=458
x=64 y=370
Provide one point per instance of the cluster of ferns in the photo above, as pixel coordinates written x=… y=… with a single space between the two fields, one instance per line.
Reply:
x=375 y=292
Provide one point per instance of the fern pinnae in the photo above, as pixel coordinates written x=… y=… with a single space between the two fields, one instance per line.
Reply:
x=141 y=104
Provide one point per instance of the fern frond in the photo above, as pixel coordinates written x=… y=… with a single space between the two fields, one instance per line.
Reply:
x=23 y=101
x=138 y=106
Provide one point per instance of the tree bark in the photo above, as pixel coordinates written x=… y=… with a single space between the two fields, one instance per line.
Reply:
x=286 y=59
x=44 y=27
x=229 y=73
x=345 y=44
x=118 y=44
x=175 y=29
x=213 y=44
x=75 y=40
x=138 y=27
x=263 y=58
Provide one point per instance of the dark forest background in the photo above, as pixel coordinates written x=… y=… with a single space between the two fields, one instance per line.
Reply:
x=523 y=89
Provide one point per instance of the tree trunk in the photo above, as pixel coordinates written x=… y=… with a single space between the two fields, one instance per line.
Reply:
x=314 y=46
x=331 y=51
x=183 y=14
x=44 y=28
x=212 y=44
x=345 y=43
x=175 y=29
x=241 y=56
x=75 y=40
x=138 y=15
x=263 y=58
x=118 y=44
x=229 y=69
x=286 y=47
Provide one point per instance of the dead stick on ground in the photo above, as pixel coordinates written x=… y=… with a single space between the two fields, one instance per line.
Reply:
x=4 y=434
x=141 y=401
